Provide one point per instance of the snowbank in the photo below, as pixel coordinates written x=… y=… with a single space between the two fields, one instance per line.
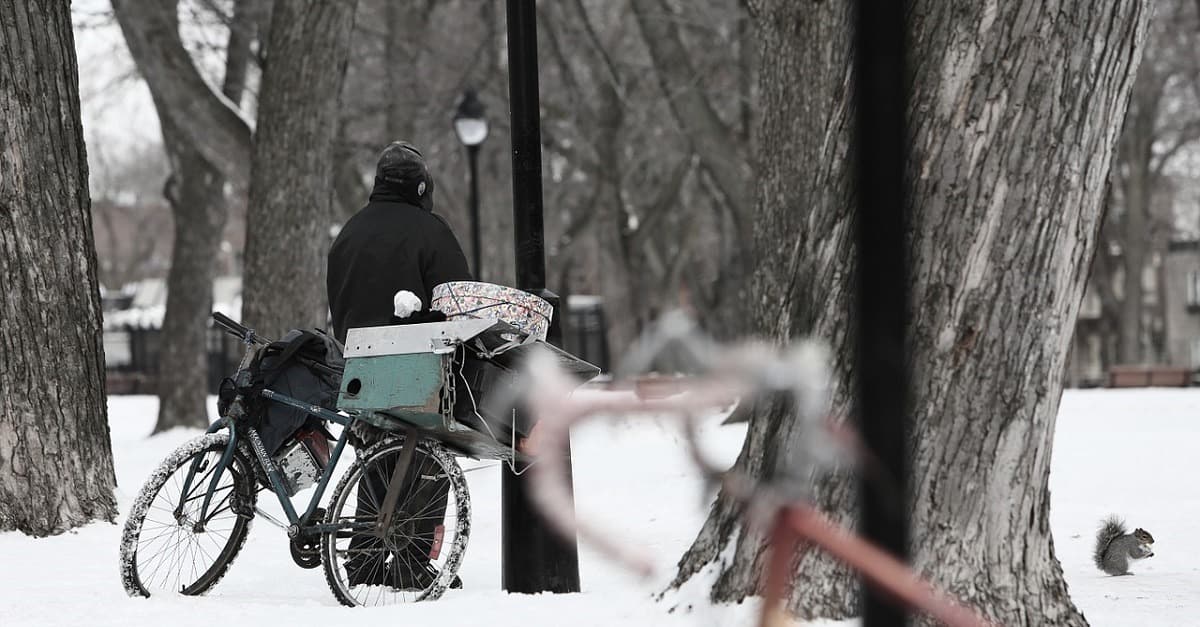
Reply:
x=1127 y=452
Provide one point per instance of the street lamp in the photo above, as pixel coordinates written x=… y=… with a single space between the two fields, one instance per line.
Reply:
x=472 y=128
x=535 y=558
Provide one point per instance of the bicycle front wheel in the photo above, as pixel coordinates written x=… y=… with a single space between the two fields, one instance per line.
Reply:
x=165 y=547
x=416 y=557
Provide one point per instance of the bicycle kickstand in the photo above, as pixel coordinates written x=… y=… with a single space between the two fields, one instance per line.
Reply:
x=393 y=491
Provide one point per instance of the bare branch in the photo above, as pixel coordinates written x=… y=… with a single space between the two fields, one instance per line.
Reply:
x=237 y=50
x=207 y=119
x=720 y=151
x=667 y=196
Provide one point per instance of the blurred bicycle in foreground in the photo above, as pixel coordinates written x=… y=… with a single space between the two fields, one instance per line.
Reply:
x=725 y=375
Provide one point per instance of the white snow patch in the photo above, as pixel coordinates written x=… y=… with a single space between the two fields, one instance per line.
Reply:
x=1126 y=452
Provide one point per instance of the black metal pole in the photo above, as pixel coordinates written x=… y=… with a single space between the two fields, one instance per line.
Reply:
x=534 y=558
x=476 y=258
x=880 y=151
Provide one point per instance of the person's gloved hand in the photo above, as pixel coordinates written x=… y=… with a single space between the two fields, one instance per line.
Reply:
x=422 y=317
x=406 y=304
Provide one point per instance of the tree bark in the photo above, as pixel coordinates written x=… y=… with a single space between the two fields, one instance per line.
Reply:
x=56 y=469
x=1133 y=254
x=1012 y=111
x=288 y=218
x=238 y=48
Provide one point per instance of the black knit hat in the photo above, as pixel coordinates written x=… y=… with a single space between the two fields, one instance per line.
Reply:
x=403 y=168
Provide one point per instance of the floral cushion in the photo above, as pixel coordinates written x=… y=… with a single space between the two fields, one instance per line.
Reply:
x=472 y=299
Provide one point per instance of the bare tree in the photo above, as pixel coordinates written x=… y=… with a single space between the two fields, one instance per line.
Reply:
x=633 y=202
x=644 y=222
x=196 y=193
x=720 y=147
x=289 y=215
x=56 y=469
x=1161 y=122
x=202 y=115
x=628 y=203
x=1003 y=226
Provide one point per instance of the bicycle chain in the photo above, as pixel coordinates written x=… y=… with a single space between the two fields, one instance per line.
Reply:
x=449 y=387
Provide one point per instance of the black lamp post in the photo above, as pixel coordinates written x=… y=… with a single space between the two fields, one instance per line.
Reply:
x=472 y=128
x=535 y=559
x=881 y=365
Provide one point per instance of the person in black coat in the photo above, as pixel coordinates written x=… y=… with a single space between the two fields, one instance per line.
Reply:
x=394 y=243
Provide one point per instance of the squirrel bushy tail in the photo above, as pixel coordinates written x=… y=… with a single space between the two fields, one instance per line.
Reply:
x=1112 y=528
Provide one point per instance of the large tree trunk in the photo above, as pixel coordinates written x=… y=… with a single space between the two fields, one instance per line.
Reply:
x=1156 y=129
x=1013 y=111
x=196 y=193
x=1136 y=180
x=1135 y=236
x=1134 y=247
x=1101 y=282
x=56 y=469
x=288 y=218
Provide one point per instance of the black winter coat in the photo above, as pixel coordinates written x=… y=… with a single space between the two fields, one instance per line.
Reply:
x=388 y=246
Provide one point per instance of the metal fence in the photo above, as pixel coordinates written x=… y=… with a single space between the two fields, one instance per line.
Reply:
x=131 y=359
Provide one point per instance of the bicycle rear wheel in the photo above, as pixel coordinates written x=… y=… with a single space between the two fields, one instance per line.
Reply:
x=418 y=556
x=163 y=550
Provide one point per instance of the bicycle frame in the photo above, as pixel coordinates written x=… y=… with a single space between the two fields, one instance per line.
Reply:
x=234 y=418
x=297 y=522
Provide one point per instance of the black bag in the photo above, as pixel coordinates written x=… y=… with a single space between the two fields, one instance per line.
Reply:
x=305 y=365
x=489 y=382
x=479 y=382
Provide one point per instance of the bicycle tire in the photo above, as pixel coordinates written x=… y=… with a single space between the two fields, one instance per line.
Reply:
x=451 y=549
x=240 y=478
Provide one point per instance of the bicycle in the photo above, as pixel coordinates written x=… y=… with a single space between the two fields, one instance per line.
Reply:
x=192 y=516
x=783 y=508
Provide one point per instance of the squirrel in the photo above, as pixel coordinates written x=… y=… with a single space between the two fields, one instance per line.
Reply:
x=1116 y=547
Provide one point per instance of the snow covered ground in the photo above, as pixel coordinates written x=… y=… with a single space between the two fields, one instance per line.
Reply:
x=1130 y=452
x=1135 y=453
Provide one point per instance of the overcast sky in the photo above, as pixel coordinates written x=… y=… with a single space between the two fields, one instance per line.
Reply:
x=115 y=104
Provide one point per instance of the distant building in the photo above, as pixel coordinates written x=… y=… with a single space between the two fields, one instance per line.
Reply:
x=1094 y=346
x=1170 y=324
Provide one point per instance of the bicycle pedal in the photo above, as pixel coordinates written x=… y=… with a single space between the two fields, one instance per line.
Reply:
x=305 y=551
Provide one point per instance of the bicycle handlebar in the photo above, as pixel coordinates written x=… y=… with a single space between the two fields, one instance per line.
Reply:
x=235 y=328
